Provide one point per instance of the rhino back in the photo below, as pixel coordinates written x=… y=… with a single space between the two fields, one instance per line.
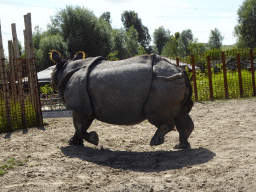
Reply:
x=119 y=89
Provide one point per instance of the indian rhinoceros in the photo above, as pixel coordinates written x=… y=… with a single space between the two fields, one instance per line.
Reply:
x=125 y=92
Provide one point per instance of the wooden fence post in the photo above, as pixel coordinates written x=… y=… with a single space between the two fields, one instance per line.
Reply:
x=240 y=76
x=32 y=67
x=194 y=76
x=5 y=86
x=19 y=74
x=252 y=70
x=12 y=70
x=210 y=76
x=178 y=61
x=225 y=75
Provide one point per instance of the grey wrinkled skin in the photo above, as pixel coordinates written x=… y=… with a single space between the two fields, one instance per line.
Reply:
x=125 y=92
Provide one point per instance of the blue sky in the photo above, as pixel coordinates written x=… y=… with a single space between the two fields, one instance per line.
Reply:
x=201 y=16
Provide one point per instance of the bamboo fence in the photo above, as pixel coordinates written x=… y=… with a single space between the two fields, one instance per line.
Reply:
x=19 y=93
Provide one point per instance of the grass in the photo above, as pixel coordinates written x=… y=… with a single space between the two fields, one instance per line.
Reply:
x=36 y=165
x=10 y=164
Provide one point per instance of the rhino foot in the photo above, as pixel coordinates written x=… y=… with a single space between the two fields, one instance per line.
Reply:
x=75 y=141
x=93 y=138
x=182 y=145
x=157 y=141
x=158 y=138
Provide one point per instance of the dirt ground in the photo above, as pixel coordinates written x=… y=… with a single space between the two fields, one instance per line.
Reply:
x=222 y=155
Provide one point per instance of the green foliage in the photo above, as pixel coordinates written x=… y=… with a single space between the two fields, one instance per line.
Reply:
x=170 y=49
x=112 y=56
x=246 y=28
x=46 y=44
x=178 y=44
x=83 y=31
x=118 y=42
x=129 y=19
x=215 y=39
x=141 y=50
x=185 y=38
x=47 y=90
x=131 y=42
x=106 y=17
x=161 y=36
x=196 y=48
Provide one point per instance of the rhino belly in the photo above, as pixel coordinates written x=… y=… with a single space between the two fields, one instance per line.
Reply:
x=119 y=93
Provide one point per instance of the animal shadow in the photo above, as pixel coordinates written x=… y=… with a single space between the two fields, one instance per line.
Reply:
x=153 y=161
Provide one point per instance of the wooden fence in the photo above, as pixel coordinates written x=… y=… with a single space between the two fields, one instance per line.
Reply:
x=223 y=75
x=19 y=95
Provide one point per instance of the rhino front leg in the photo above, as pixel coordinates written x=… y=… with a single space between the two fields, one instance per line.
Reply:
x=162 y=130
x=82 y=123
x=185 y=126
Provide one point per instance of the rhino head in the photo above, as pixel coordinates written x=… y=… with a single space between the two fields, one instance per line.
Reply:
x=58 y=71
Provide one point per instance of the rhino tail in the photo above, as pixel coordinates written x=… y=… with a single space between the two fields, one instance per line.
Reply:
x=188 y=101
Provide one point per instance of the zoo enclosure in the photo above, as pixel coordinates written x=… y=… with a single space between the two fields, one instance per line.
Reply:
x=19 y=95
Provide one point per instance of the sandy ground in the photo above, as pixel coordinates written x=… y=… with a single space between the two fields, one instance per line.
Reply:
x=222 y=157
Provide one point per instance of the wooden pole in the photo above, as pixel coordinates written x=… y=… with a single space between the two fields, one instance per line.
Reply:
x=225 y=75
x=32 y=63
x=240 y=76
x=5 y=86
x=194 y=76
x=12 y=69
x=177 y=61
x=210 y=77
x=19 y=74
x=252 y=70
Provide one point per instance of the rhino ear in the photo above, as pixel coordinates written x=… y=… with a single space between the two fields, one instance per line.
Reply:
x=79 y=55
x=55 y=56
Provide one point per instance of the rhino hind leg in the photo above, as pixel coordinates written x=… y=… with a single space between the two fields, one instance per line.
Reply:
x=162 y=130
x=82 y=123
x=75 y=140
x=185 y=126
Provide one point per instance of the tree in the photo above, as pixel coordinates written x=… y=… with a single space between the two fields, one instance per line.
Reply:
x=106 y=17
x=130 y=18
x=83 y=31
x=186 y=36
x=141 y=50
x=196 y=48
x=246 y=28
x=131 y=42
x=170 y=49
x=118 y=43
x=46 y=44
x=161 y=36
x=215 y=39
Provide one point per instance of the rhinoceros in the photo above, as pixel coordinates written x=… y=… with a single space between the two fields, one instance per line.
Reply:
x=125 y=92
